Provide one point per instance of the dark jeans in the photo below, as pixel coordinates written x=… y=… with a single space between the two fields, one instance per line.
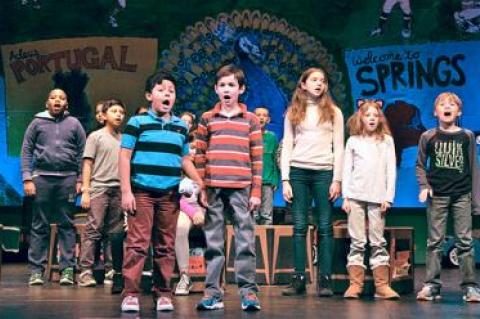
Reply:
x=437 y=212
x=53 y=203
x=104 y=219
x=155 y=220
x=310 y=184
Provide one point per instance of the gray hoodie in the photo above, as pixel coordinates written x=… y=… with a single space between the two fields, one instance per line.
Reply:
x=53 y=146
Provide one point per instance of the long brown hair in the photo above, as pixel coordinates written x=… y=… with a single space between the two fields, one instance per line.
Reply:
x=355 y=123
x=297 y=110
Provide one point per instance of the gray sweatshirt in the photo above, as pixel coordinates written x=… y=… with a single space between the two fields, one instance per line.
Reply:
x=52 y=146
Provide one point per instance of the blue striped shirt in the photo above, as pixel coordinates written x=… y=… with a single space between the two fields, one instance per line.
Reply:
x=158 y=148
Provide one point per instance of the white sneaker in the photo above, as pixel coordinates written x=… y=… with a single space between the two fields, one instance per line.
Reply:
x=130 y=304
x=108 y=281
x=183 y=286
x=164 y=304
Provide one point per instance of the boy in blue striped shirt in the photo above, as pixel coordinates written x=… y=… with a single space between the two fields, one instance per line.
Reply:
x=154 y=151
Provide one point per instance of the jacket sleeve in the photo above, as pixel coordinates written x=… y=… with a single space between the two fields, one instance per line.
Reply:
x=81 y=138
x=28 y=148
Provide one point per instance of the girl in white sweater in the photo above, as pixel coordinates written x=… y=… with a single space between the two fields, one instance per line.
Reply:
x=369 y=174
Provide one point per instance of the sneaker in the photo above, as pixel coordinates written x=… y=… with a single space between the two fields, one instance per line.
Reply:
x=429 y=293
x=36 y=279
x=210 y=303
x=250 y=302
x=471 y=294
x=86 y=279
x=376 y=32
x=164 y=304
x=67 y=277
x=183 y=286
x=130 y=304
x=406 y=33
x=108 y=280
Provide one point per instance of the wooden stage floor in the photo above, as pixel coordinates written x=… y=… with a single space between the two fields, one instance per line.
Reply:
x=52 y=301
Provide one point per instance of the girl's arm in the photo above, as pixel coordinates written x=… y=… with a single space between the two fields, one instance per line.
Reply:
x=391 y=169
x=287 y=148
x=338 y=142
x=187 y=208
x=347 y=168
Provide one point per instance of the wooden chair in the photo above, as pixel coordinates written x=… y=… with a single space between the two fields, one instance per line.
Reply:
x=287 y=231
x=261 y=234
x=52 y=262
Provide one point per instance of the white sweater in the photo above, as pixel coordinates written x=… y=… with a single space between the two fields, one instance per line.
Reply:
x=369 y=170
x=313 y=145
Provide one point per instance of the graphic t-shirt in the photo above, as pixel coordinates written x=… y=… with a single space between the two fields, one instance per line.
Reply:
x=449 y=171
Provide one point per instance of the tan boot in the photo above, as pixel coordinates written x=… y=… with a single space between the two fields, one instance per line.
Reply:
x=357 y=278
x=382 y=287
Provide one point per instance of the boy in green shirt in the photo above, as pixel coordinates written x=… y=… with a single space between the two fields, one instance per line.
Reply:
x=264 y=215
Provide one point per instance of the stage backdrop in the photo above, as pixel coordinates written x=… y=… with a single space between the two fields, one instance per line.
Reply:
x=408 y=78
x=89 y=69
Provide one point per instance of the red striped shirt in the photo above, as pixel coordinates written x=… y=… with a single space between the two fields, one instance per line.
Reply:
x=229 y=150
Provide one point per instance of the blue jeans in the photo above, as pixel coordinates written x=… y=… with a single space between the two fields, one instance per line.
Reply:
x=306 y=185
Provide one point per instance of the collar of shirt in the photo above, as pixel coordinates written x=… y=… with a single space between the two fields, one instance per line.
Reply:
x=218 y=108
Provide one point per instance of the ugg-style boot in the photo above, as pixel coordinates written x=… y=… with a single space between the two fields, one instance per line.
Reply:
x=382 y=287
x=357 y=278
x=296 y=287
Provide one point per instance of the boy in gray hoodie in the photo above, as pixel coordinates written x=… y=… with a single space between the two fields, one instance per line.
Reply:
x=51 y=155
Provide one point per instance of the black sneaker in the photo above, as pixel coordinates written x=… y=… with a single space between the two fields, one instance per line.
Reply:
x=117 y=286
x=297 y=286
x=324 y=288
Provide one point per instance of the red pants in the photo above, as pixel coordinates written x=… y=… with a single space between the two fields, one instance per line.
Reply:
x=156 y=221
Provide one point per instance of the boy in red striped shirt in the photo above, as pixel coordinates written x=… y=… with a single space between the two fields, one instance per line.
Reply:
x=229 y=159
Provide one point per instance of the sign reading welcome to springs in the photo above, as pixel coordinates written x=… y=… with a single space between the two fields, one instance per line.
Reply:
x=408 y=79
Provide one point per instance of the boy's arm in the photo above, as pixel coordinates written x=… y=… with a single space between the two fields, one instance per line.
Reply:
x=86 y=174
x=201 y=141
x=129 y=140
x=274 y=160
x=475 y=175
x=420 y=166
x=28 y=147
x=256 y=155
x=81 y=138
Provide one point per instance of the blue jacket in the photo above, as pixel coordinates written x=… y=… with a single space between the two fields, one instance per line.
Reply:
x=52 y=146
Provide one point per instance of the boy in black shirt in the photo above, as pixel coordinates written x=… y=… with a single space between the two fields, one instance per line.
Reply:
x=447 y=172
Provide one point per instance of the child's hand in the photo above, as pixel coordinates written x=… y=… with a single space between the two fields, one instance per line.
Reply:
x=202 y=198
x=424 y=194
x=385 y=206
x=128 y=203
x=287 y=191
x=334 y=191
x=29 y=188
x=346 y=205
x=78 y=187
x=254 y=204
x=198 y=219
x=85 y=203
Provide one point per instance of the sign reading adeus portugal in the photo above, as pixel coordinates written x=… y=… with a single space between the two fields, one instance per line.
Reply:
x=89 y=69
x=408 y=79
